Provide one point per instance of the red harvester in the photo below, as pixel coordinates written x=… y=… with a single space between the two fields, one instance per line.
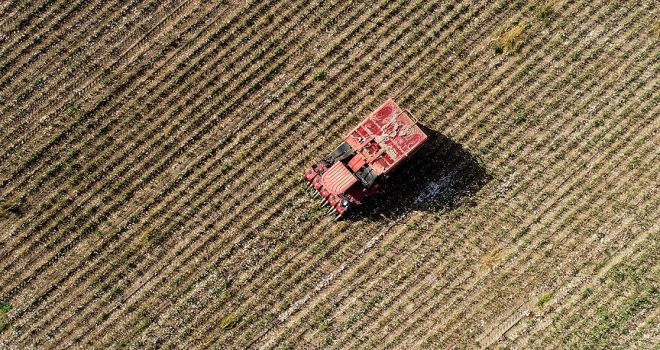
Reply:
x=369 y=154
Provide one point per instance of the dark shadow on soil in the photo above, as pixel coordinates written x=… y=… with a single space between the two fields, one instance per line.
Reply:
x=440 y=177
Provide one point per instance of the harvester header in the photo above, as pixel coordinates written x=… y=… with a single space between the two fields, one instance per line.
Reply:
x=369 y=154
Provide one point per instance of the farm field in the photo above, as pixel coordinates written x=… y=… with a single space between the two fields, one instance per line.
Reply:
x=151 y=156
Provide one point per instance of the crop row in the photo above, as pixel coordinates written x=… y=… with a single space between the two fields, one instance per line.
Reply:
x=296 y=176
x=166 y=226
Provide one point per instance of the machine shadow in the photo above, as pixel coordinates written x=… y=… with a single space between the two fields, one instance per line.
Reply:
x=440 y=177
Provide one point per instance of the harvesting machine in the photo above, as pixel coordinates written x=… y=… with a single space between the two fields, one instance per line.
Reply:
x=369 y=154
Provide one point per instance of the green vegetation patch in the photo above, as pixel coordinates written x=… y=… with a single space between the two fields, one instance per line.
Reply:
x=511 y=40
x=545 y=13
x=151 y=237
x=228 y=322
x=545 y=298
x=4 y=308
